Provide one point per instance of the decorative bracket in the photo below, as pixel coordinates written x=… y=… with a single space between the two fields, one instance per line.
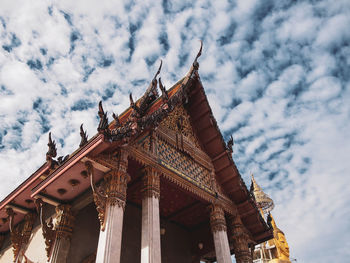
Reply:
x=49 y=233
x=99 y=195
x=15 y=233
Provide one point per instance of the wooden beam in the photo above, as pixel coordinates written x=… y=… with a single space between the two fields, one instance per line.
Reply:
x=170 y=217
x=19 y=208
x=48 y=199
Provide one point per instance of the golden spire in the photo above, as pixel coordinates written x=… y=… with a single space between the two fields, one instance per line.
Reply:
x=263 y=200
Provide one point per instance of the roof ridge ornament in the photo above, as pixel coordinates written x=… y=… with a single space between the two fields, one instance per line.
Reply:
x=149 y=96
x=116 y=119
x=84 y=137
x=103 y=124
x=162 y=88
x=52 y=152
x=229 y=145
x=195 y=62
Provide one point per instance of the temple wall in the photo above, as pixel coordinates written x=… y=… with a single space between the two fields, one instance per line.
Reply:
x=36 y=249
x=6 y=255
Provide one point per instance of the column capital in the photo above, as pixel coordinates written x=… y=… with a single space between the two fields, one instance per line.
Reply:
x=64 y=221
x=117 y=180
x=217 y=218
x=150 y=183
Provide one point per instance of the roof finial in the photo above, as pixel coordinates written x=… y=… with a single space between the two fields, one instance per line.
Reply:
x=158 y=72
x=103 y=125
x=116 y=119
x=83 y=135
x=52 y=152
x=229 y=145
x=195 y=62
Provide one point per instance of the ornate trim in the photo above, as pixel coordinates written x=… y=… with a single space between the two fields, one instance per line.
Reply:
x=241 y=240
x=217 y=218
x=20 y=234
x=15 y=233
x=49 y=233
x=139 y=119
x=64 y=221
x=150 y=183
x=112 y=190
x=29 y=220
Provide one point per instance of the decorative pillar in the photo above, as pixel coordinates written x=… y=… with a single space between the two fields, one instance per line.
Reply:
x=110 y=204
x=150 y=234
x=20 y=234
x=64 y=229
x=218 y=228
x=240 y=239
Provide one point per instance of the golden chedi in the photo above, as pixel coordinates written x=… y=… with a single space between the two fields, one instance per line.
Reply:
x=276 y=250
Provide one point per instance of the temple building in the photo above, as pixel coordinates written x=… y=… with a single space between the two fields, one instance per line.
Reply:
x=275 y=250
x=156 y=184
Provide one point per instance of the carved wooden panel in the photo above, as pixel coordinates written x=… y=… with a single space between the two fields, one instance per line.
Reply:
x=179 y=121
x=182 y=164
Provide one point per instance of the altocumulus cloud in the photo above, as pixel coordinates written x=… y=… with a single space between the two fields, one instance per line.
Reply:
x=277 y=74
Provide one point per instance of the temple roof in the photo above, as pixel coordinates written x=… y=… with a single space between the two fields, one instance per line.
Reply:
x=144 y=114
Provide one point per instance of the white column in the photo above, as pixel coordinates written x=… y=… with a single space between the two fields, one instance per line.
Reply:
x=110 y=207
x=64 y=229
x=218 y=228
x=150 y=235
x=110 y=240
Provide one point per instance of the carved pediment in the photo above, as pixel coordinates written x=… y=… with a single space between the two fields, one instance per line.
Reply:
x=179 y=121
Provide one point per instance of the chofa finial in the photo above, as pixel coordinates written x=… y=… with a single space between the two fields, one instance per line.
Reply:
x=195 y=62
x=103 y=125
x=52 y=152
x=84 y=137
x=229 y=145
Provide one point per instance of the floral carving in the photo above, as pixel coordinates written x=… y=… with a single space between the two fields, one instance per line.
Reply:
x=112 y=191
x=217 y=218
x=150 y=183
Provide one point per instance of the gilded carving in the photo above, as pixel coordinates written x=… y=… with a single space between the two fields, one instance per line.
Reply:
x=150 y=183
x=184 y=165
x=112 y=190
x=28 y=227
x=20 y=233
x=98 y=194
x=64 y=221
x=49 y=233
x=240 y=238
x=179 y=121
x=15 y=234
x=217 y=218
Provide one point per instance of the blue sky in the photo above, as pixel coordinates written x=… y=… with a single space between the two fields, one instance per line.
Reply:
x=277 y=75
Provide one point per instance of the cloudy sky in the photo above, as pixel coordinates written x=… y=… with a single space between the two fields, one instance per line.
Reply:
x=277 y=75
